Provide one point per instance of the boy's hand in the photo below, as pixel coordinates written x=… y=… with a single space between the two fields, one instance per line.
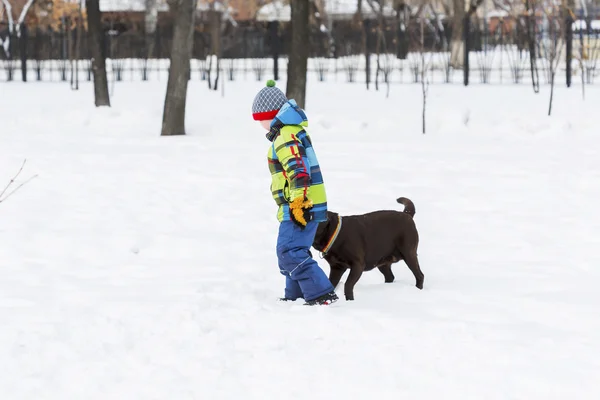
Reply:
x=300 y=211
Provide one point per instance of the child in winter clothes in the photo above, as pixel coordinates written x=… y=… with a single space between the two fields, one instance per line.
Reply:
x=297 y=187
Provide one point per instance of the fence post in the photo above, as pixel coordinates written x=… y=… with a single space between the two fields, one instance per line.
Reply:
x=569 y=45
x=466 y=35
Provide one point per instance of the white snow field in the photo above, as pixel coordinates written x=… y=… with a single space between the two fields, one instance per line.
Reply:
x=142 y=267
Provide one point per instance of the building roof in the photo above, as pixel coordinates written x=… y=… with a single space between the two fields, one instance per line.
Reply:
x=140 y=5
x=335 y=9
x=125 y=5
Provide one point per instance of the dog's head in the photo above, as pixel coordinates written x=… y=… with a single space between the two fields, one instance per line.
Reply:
x=325 y=230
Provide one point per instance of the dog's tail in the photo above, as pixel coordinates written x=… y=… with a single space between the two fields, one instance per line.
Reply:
x=409 y=206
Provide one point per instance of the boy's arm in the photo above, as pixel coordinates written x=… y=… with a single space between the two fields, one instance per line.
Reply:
x=292 y=155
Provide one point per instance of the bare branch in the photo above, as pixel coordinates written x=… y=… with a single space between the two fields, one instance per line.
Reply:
x=11 y=22
x=425 y=65
x=473 y=7
x=227 y=13
x=24 y=12
x=13 y=181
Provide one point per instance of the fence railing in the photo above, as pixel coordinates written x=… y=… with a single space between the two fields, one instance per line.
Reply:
x=496 y=56
x=498 y=65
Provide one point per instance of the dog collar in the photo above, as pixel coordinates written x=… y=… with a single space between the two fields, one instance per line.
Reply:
x=338 y=228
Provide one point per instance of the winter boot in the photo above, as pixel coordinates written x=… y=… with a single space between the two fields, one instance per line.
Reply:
x=324 y=300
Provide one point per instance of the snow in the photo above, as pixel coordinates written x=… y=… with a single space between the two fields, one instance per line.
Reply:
x=142 y=267
x=126 y=5
x=498 y=63
x=496 y=13
x=274 y=11
x=582 y=24
x=140 y=5
x=335 y=9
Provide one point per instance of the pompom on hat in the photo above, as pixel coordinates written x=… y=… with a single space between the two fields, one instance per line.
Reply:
x=268 y=102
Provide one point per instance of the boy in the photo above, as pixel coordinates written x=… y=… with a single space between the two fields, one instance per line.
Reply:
x=297 y=187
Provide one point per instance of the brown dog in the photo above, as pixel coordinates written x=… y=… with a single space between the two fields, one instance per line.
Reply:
x=363 y=242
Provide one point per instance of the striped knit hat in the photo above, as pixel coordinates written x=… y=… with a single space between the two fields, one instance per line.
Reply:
x=268 y=102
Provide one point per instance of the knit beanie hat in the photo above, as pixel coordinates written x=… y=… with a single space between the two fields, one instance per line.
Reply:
x=268 y=102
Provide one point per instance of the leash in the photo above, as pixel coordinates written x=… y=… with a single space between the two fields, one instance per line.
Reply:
x=338 y=228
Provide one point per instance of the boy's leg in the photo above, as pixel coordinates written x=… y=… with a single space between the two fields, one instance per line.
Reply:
x=292 y=288
x=295 y=260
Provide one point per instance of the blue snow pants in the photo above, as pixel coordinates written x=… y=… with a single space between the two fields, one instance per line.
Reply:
x=303 y=276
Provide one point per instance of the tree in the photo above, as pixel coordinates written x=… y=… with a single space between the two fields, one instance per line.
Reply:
x=425 y=65
x=456 y=42
x=179 y=70
x=298 y=58
x=461 y=11
x=75 y=49
x=96 y=37
x=364 y=28
x=218 y=16
x=214 y=21
x=516 y=9
x=55 y=13
x=385 y=63
x=17 y=29
x=589 y=47
x=553 y=45
x=150 y=22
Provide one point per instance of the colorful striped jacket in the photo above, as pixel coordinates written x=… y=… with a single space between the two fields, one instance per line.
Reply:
x=293 y=164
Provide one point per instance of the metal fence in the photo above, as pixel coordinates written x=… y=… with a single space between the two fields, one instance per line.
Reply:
x=254 y=52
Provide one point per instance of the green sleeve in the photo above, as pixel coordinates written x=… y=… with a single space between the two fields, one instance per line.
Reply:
x=292 y=156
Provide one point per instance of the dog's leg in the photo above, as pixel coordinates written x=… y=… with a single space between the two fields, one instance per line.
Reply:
x=386 y=270
x=356 y=271
x=335 y=274
x=413 y=263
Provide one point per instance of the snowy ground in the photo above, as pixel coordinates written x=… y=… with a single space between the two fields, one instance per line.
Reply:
x=141 y=267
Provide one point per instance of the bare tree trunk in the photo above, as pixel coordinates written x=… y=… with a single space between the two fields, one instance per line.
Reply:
x=456 y=42
x=78 y=48
x=556 y=33
x=22 y=40
x=96 y=47
x=215 y=18
x=552 y=75
x=298 y=58
x=530 y=7
x=365 y=26
x=179 y=70
x=424 y=81
x=150 y=22
x=70 y=51
x=22 y=36
x=378 y=59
